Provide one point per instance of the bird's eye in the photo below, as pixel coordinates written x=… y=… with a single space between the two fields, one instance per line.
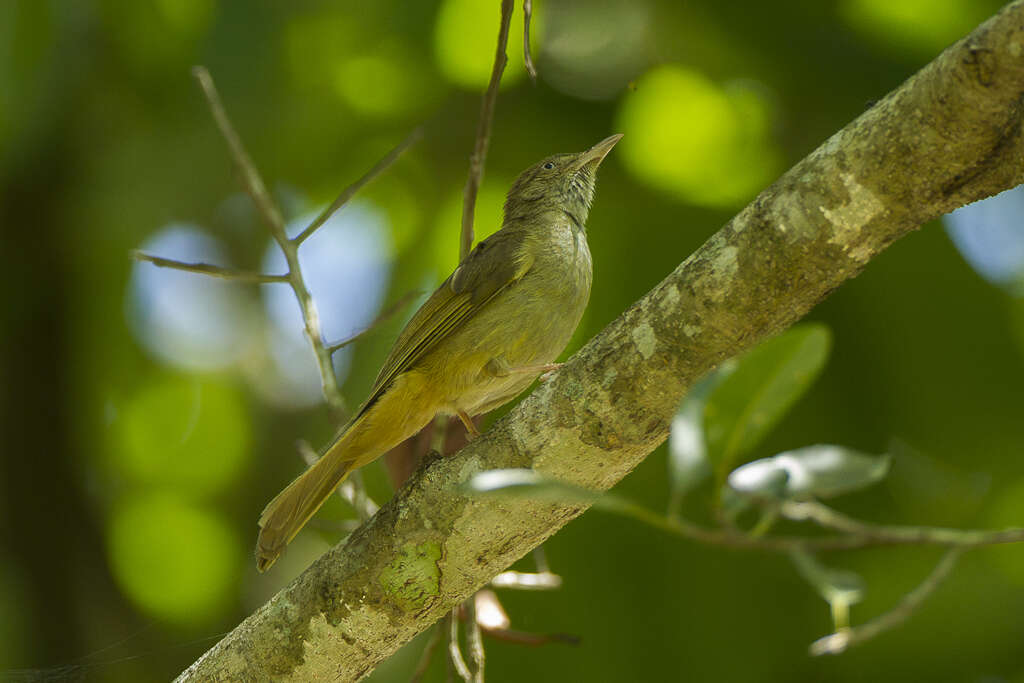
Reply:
x=549 y=165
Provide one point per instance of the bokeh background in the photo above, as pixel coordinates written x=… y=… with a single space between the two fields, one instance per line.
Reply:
x=148 y=415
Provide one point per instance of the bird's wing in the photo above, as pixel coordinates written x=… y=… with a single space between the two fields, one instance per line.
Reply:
x=493 y=265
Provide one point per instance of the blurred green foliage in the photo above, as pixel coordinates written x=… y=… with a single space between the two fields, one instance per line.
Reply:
x=464 y=41
x=708 y=144
x=131 y=486
x=191 y=435
x=176 y=561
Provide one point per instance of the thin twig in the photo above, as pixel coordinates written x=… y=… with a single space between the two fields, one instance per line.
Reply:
x=527 y=58
x=483 y=133
x=540 y=558
x=531 y=639
x=268 y=209
x=243 y=162
x=865 y=536
x=839 y=642
x=454 y=652
x=384 y=315
x=894 y=534
x=354 y=491
x=350 y=191
x=209 y=269
x=428 y=654
x=474 y=640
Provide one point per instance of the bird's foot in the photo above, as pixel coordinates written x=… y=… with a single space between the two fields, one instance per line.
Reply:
x=467 y=422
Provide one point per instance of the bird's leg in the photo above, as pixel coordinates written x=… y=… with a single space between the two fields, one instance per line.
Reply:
x=468 y=422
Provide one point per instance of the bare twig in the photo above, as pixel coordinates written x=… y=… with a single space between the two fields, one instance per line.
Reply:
x=454 y=652
x=354 y=491
x=531 y=639
x=384 y=315
x=428 y=654
x=866 y=535
x=352 y=189
x=527 y=57
x=474 y=640
x=874 y=534
x=483 y=133
x=540 y=559
x=842 y=640
x=209 y=269
x=268 y=209
x=243 y=162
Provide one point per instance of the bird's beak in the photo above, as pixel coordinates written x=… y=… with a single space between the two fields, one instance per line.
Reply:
x=596 y=154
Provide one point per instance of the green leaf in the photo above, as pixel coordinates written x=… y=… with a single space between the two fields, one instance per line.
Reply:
x=688 y=464
x=820 y=471
x=753 y=398
x=525 y=483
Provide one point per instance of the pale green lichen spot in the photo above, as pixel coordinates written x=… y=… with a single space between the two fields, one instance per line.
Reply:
x=413 y=578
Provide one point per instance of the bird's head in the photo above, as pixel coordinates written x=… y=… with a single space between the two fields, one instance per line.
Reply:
x=562 y=182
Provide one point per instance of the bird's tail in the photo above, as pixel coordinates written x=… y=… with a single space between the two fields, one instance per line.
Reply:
x=289 y=511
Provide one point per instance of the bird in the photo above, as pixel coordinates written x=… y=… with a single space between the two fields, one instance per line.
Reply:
x=498 y=322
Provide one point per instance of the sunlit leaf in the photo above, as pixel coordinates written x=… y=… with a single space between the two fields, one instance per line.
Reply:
x=525 y=483
x=820 y=471
x=766 y=382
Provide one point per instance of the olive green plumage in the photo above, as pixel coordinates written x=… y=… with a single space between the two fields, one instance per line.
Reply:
x=507 y=311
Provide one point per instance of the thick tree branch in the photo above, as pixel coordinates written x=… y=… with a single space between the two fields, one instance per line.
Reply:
x=948 y=136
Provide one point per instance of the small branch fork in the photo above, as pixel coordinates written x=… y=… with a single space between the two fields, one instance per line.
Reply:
x=853 y=533
x=844 y=638
x=271 y=215
x=353 y=490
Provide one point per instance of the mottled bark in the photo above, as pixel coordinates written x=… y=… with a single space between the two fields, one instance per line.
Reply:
x=948 y=136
